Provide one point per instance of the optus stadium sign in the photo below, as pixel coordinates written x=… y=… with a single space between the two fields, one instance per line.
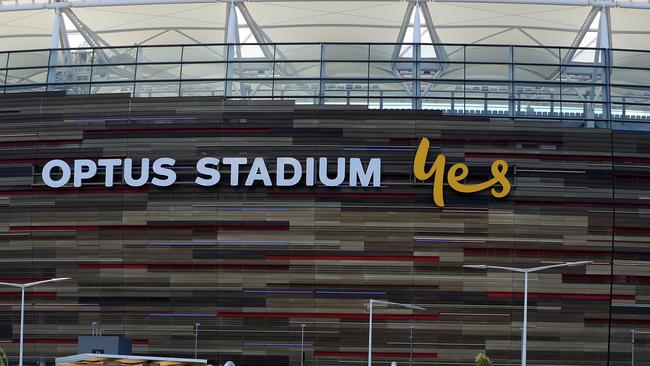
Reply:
x=289 y=172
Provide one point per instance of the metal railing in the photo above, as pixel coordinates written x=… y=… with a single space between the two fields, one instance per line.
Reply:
x=581 y=86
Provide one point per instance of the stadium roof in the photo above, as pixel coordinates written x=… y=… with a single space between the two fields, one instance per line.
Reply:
x=34 y=24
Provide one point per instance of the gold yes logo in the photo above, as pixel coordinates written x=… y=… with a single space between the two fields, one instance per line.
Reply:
x=456 y=174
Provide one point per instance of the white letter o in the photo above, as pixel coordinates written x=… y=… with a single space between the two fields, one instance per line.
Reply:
x=65 y=177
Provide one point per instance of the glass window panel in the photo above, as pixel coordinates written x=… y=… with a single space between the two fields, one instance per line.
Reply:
x=113 y=73
x=27 y=76
x=582 y=93
x=630 y=58
x=391 y=70
x=74 y=89
x=487 y=54
x=160 y=54
x=204 y=53
x=157 y=89
x=71 y=57
x=250 y=70
x=584 y=56
x=288 y=88
x=630 y=76
x=197 y=88
x=118 y=55
x=428 y=70
x=583 y=74
x=391 y=89
x=3 y=76
x=69 y=74
x=345 y=69
x=298 y=52
x=159 y=72
x=487 y=72
x=441 y=90
x=3 y=60
x=111 y=88
x=381 y=52
x=29 y=59
x=537 y=55
x=249 y=89
x=24 y=89
x=346 y=52
x=536 y=72
x=204 y=71
x=297 y=70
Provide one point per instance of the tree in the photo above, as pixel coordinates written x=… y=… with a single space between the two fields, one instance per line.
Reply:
x=482 y=360
x=3 y=358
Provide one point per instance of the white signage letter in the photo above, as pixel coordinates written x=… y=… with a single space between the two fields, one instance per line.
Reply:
x=65 y=173
x=234 y=168
x=162 y=167
x=202 y=168
x=83 y=169
x=128 y=173
x=280 y=179
x=340 y=172
x=109 y=165
x=374 y=172
x=258 y=172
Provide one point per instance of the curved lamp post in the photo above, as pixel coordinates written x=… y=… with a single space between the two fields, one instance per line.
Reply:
x=526 y=271
x=22 y=287
x=373 y=301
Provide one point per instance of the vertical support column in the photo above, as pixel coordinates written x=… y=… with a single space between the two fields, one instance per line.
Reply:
x=524 y=330
x=369 y=332
x=321 y=75
x=417 y=39
x=605 y=43
x=232 y=36
x=511 y=95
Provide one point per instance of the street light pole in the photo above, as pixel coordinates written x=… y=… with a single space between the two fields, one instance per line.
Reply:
x=22 y=287
x=196 y=339
x=372 y=301
x=526 y=271
x=633 y=346
x=302 y=344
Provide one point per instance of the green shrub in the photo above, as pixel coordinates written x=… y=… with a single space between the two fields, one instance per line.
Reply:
x=482 y=360
x=3 y=358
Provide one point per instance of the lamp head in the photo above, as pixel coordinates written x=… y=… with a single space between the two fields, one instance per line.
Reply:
x=475 y=266
x=577 y=264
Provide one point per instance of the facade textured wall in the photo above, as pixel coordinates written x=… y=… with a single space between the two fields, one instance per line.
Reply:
x=251 y=264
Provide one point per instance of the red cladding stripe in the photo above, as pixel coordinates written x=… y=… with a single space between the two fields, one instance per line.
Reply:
x=174 y=130
x=344 y=194
x=538 y=295
x=29 y=294
x=184 y=266
x=603 y=321
x=604 y=277
x=420 y=355
x=65 y=341
x=374 y=258
x=431 y=317
x=60 y=191
x=174 y=227
x=537 y=252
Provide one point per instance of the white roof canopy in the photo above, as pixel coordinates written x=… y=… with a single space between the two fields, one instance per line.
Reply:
x=29 y=24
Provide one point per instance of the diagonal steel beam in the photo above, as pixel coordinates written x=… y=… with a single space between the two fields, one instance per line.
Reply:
x=255 y=30
x=582 y=32
x=441 y=52
x=402 y=30
x=93 y=39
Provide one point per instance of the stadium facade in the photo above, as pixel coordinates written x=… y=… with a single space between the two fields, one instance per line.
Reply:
x=265 y=168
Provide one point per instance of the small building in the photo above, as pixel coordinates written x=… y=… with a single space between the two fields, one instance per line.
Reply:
x=94 y=359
